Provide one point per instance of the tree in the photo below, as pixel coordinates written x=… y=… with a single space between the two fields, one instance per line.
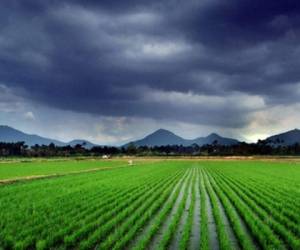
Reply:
x=131 y=149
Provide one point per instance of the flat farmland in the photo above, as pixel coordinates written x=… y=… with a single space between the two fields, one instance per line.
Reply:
x=161 y=204
x=18 y=169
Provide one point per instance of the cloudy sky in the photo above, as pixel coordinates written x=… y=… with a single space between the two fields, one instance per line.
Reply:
x=113 y=71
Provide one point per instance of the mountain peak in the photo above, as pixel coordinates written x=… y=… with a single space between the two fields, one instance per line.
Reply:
x=9 y=134
x=160 y=137
x=294 y=131
x=283 y=139
x=6 y=130
x=85 y=143
x=5 y=127
x=162 y=131
x=163 y=137
x=212 y=138
x=213 y=135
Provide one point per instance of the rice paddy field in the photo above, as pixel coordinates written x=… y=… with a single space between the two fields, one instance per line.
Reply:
x=153 y=204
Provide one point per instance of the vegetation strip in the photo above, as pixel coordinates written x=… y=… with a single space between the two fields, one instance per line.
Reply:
x=223 y=236
x=262 y=232
x=277 y=224
x=186 y=235
x=157 y=238
x=167 y=237
x=194 y=241
x=244 y=239
x=127 y=229
x=176 y=238
x=96 y=232
x=151 y=230
x=204 y=235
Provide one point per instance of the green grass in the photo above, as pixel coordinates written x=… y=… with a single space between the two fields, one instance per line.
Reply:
x=19 y=169
x=131 y=207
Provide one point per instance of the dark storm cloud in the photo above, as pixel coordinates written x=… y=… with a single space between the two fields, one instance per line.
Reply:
x=188 y=61
x=229 y=24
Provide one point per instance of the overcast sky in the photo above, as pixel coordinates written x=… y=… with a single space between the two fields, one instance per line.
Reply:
x=113 y=71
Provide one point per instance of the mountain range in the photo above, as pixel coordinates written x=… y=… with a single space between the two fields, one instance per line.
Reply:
x=9 y=134
x=284 y=139
x=158 y=138
x=163 y=137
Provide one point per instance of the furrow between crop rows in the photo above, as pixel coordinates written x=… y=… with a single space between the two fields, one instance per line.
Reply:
x=142 y=239
x=162 y=227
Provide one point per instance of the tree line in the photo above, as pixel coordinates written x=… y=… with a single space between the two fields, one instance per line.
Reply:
x=214 y=149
